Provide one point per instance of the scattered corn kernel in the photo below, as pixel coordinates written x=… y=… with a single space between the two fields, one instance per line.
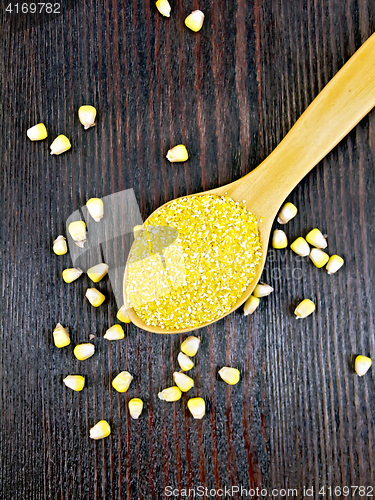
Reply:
x=75 y=382
x=114 y=333
x=71 y=274
x=287 y=213
x=316 y=239
x=77 y=231
x=300 y=247
x=87 y=115
x=95 y=297
x=122 y=315
x=84 y=351
x=100 y=430
x=122 y=381
x=185 y=362
x=61 y=336
x=194 y=21
x=318 y=257
x=304 y=308
x=262 y=290
x=170 y=394
x=95 y=207
x=190 y=345
x=37 y=132
x=59 y=246
x=183 y=381
x=279 y=239
x=197 y=407
x=362 y=364
x=250 y=305
x=177 y=154
x=334 y=264
x=60 y=145
x=230 y=375
x=135 y=407
x=163 y=7
x=96 y=273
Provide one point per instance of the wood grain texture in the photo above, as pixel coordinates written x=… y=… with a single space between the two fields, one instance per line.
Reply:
x=299 y=417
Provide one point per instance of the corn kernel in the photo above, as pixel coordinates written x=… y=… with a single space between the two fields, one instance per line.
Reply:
x=279 y=239
x=334 y=264
x=71 y=274
x=95 y=297
x=262 y=290
x=177 y=154
x=163 y=7
x=190 y=345
x=59 y=246
x=114 y=333
x=77 y=231
x=362 y=364
x=316 y=239
x=122 y=315
x=135 y=407
x=194 y=21
x=250 y=305
x=300 y=247
x=185 y=362
x=84 y=351
x=75 y=382
x=60 y=145
x=37 y=132
x=96 y=273
x=87 y=115
x=170 y=394
x=183 y=382
x=287 y=213
x=318 y=257
x=122 y=381
x=197 y=407
x=96 y=208
x=100 y=430
x=61 y=336
x=304 y=308
x=230 y=375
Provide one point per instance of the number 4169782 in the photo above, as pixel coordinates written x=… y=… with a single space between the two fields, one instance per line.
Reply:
x=34 y=8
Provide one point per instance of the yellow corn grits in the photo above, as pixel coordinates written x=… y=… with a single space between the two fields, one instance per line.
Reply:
x=192 y=262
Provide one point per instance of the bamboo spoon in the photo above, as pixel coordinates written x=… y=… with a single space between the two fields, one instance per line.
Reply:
x=347 y=98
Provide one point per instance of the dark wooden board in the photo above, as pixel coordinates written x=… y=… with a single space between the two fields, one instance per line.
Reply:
x=299 y=417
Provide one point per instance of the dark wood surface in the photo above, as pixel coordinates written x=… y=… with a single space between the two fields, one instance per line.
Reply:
x=299 y=417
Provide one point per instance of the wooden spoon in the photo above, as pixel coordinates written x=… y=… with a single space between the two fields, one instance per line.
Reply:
x=347 y=98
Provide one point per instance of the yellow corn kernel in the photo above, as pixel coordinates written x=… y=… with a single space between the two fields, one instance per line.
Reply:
x=250 y=305
x=95 y=297
x=177 y=154
x=304 y=308
x=75 y=382
x=122 y=315
x=183 y=382
x=287 y=213
x=262 y=290
x=77 y=231
x=318 y=257
x=95 y=207
x=334 y=264
x=84 y=351
x=316 y=239
x=87 y=115
x=230 y=375
x=100 y=430
x=61 y=336
x=300 y=247
x=194 y=21
x=279 y=239
x=362 y=364
x=114 y=333
x=37 y=132
x=59 y=246
x=197 y=407
x=122 y=381
x=135 y=407
x=185 y=362
x=71 y=274
x=60 y=145
x=96 y=273
x=163 y=7
x=170 y=394
x=190 y=346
